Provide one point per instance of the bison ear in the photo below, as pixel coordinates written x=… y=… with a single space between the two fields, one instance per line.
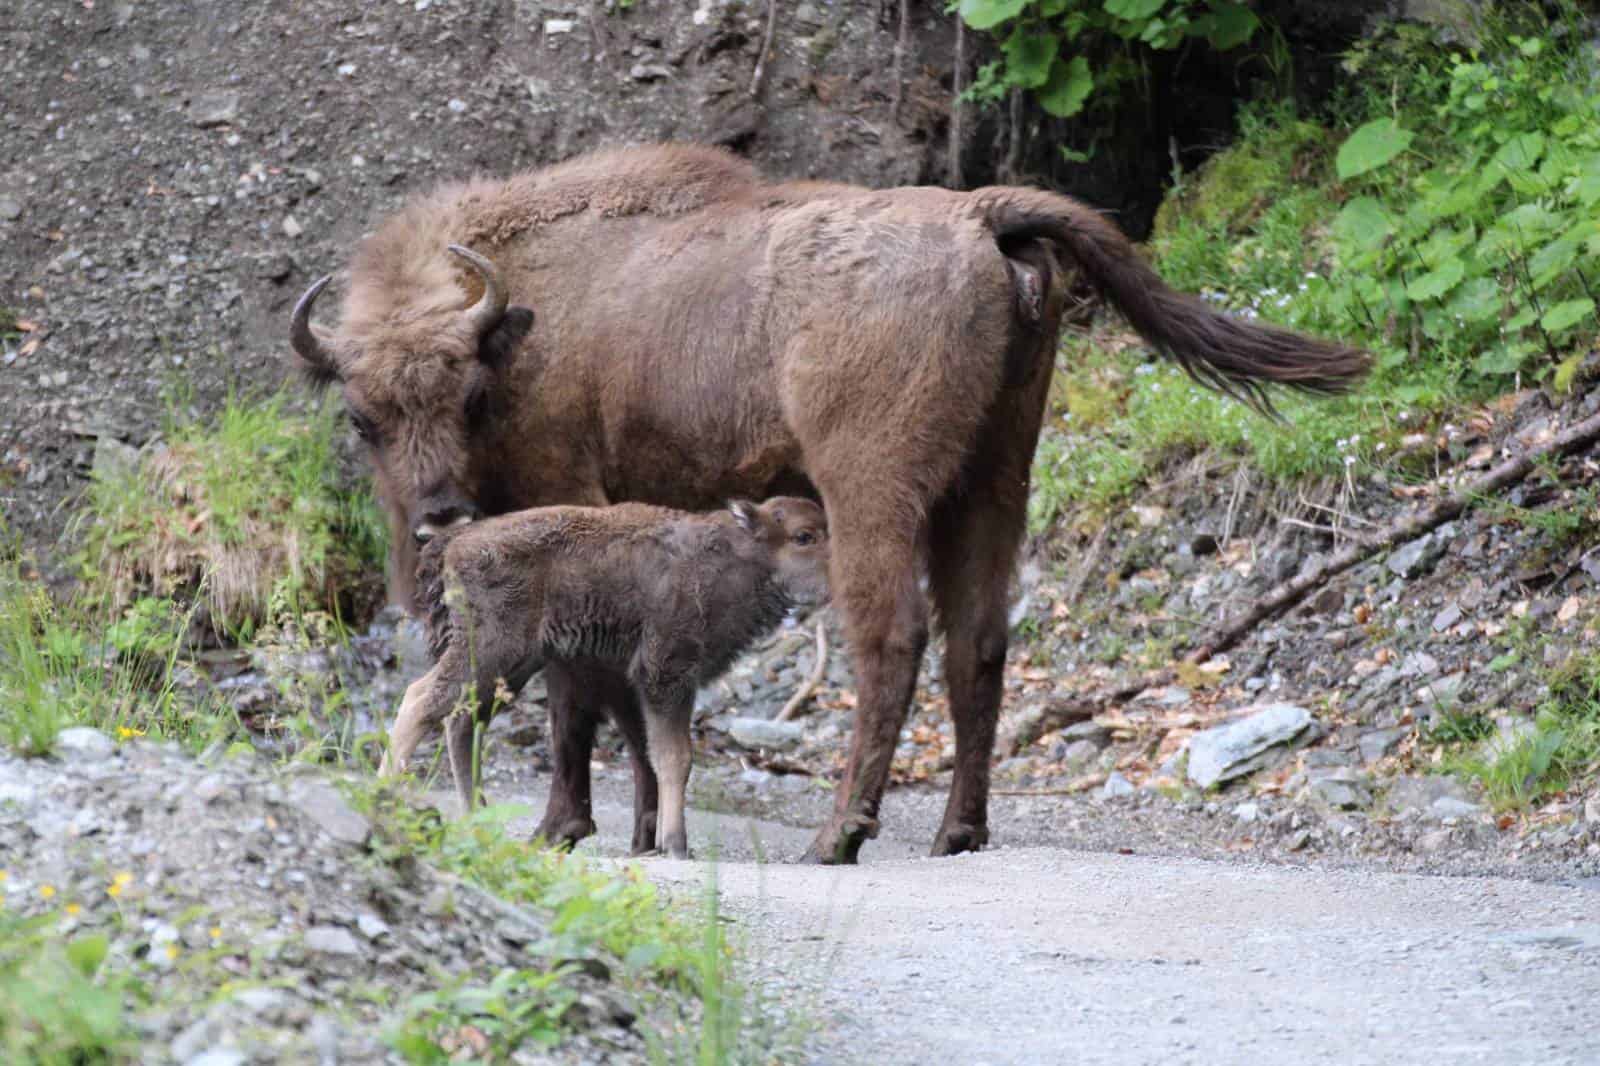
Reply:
x=498 y=344
x=744 y=513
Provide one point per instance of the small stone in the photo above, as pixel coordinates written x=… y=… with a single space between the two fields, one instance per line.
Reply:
x=1247 y=812
x=649 y=72
x=555 y=26
x=1341 y=789
x=214 y=109
x=1080 y=751
x=324 y=805
x=1446 y=618
x=372 y=927
x=458 y=106
x=1091 y=731
x=1591 y=809
x=1416 y=558
x=10 y=210
x=1116 y=786
x=1327 y=601
x=764 y=733
x=263 y=999
x=331 y=940
x=113 y=461
x=1299 y=840
x=291 y=228
x=82 y=744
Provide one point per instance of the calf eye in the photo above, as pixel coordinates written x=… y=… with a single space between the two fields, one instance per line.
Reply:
x=804 y=537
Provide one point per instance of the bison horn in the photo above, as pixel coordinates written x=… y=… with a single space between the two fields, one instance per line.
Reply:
x=491 y=306
x=303 y=335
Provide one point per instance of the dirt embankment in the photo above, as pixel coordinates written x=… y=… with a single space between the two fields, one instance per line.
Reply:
x=173 y=174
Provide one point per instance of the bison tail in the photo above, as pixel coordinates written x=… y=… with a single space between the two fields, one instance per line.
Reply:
x=1223 y=352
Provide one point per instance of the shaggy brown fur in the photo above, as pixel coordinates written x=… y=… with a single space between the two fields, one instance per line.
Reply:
x=703 y=334
x=664 y=598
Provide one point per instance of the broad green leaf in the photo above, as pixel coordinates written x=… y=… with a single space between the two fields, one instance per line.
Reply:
x=1051 y=8
x=1227 y=26
x=1069 y=86
x=1587 y=186
x=1522 y=319
x=1438 y=281
x=1028 y=58
x=86 y=953
x=1555 y=258
x=1363 y=224
x=1568 y=313
x=1476 y=300
x=987 y=14
x=1371 y=146
x=1503 y=358
x=1134 y=10
x=1520 y=153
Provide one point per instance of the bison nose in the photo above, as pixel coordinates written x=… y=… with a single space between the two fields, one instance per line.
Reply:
x=438 y=519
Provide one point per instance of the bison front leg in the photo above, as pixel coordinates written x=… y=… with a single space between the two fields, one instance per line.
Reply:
x=622 y=706
x=426 y=703
x=667 y=718
x=569 y=812
x=886 y=619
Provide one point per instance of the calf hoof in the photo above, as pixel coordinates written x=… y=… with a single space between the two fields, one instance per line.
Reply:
x=838 y=843
x=957 y=838
x=564 y=832
x=644 y=836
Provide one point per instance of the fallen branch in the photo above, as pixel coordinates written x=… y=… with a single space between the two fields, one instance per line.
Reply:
x=1083 y=707
x=902 y=44
x=809 y=685
x=1082 y=784
x=766 y=49
x=956 y=89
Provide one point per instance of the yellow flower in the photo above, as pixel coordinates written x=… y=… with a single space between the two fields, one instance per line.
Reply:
x=47 y=891
x=172 y=951
x=216 y=932
x=127 y=732
x=72 y=909
x=3 y=876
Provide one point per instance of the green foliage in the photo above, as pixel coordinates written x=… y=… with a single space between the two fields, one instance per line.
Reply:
x=1064 y=50
x=1446 y=222
x=60 y=1005
x=240 y=512
x=66 y=663
x=1560 y=751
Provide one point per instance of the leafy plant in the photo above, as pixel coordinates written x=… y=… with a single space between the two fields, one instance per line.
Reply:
x=60 y=1004
x=1055 y=49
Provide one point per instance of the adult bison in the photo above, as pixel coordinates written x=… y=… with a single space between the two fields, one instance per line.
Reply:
x=704 y=334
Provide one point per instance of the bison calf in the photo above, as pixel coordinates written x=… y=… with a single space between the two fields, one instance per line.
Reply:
x=666 y=598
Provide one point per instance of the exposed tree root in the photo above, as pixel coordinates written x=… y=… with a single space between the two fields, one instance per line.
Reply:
x=1574 y=438
x=809 y=685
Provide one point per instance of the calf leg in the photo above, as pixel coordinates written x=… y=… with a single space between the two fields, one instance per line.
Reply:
x=667 y=724
x=568 y=814
x=622 y=706
x=427 y=701
x=875 y=562
x=463 y=738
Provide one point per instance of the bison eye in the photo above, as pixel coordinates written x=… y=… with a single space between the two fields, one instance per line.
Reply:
x=364 y=427
x=804 y=537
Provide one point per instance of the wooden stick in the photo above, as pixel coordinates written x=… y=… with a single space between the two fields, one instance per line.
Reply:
x=766 y=49
x=902 y=45
x=957 y=88
x=809 y=685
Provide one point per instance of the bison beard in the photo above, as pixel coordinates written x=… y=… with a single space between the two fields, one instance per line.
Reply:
x=703 y=334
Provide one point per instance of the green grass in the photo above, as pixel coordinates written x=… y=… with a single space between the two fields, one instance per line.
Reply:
x=1560 y=752
x=60 y=1004
x=1445 y=216
x=248 y=513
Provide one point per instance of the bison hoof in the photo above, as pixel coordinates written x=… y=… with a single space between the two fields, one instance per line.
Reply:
x=955 y=839
x=564 y=832
x=839 y=843
x=644 y=836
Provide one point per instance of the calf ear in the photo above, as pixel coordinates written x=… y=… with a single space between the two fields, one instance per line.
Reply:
x=498 y=344
x=744 y=512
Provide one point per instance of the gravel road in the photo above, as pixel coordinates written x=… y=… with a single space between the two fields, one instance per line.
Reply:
x=1049 y=955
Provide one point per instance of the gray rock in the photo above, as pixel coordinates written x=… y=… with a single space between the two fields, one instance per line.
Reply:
x=10 y=210
x=1342 y=789
x=1378 y=743
x=1412 y=560
x=763 y=733
x=649 y=72
x=1447 y=808
x=1116 y=786
x=292 y=227
x=214 y=108
x=1446 y=618
x=1442 y=691
x=1080 y=751
x=113 y=460
x=1247 y=812
x=324 y=805
x=83 y=744
x=1418 y=795
x=372 y=927
x=331 y=940
x=1591 y=809
x=263 y=999
x=1229 y=751
x=1091 y=731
